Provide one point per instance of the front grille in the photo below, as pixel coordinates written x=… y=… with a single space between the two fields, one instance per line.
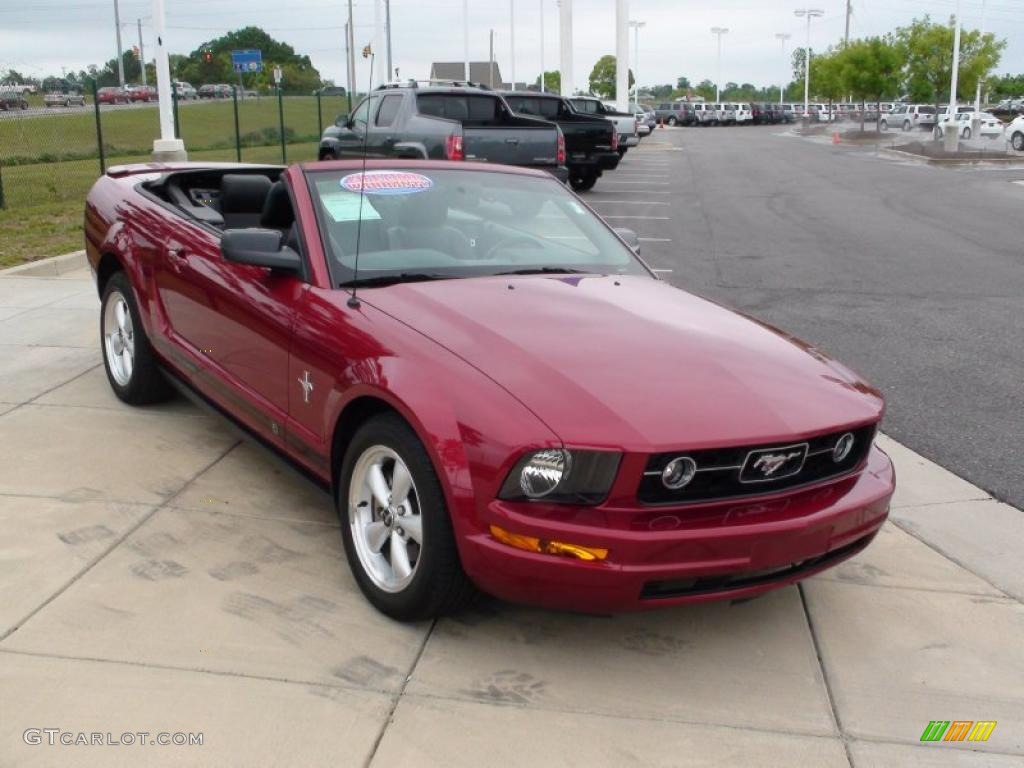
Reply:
x=654 y=590
x=726 y=473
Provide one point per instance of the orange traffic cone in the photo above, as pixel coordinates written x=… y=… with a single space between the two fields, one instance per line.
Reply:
x=661 y=123
x=835 y=137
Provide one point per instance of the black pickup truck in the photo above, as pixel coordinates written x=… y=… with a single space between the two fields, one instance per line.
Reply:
x=591 y=142
x=456 y=121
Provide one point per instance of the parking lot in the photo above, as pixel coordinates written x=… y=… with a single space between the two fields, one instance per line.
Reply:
x=160 y=574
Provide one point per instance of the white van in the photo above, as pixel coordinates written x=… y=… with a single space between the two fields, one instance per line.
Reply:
x=742 y=113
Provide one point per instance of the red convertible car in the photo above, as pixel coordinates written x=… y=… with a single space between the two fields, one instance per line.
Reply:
x=496 y=389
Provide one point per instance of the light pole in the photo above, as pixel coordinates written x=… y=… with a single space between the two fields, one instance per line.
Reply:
x=718 y=32
x=465 y=39
x=542 y=46
x=810 y=13
x=387 y=29
x=622 y=55
x=783 y=37
x=512 y=41
x=168 y=147
x=976 y=123
x=636 y=25
x=952 y=131
x=142 y=55
x=565 y=46
x=120 y=55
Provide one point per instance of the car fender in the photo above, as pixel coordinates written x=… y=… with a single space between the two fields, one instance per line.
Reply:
x=412 y=150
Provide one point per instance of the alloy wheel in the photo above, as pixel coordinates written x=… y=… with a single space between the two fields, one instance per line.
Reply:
x=119 y=338
x=384 y=517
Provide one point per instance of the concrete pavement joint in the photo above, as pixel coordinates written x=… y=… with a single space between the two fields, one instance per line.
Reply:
x=824 y=676
x=31 y=401
x=398 y=697
x=116 y=543
x=233 y=513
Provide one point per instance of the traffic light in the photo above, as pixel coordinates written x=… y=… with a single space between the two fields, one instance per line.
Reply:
x=206 y=54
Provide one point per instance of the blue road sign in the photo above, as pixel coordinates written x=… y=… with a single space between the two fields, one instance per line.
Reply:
x=249 y=60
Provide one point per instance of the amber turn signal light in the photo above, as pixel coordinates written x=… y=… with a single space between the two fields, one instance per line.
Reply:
x=532 y=544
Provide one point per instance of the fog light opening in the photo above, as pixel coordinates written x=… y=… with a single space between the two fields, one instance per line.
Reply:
x=533 y=544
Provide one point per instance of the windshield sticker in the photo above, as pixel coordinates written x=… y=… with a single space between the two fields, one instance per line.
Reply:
x=387 y=183
x=344 y=206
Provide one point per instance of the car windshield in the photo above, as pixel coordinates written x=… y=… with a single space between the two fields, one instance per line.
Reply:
x=437 y=224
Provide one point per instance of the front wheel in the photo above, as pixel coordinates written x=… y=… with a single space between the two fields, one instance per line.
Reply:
x=672 y=121
x=583 y=183
x=967 y=133
x=907 y=126
x=1017 y=141
x=132 y=368
x=395 y=524
x=883 y=126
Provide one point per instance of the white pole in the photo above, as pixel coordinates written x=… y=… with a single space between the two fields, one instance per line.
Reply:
x=465 y=39
x=565 y=46
x=167 y=147
x=352 y=56
x=387 y=30
x=542 y=89
x=512 y=41
x=622 y=55
x=977 y=95
x=120 y=54
x=807 y=70
x=719 y=31
x=952 y=131
x=378 y=36
x=783 y=37
x=142 y=55
x=636 y=25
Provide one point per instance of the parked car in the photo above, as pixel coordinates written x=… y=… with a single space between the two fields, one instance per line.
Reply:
x=112 y=94
x=988 y=125
x=725 y=114
x=742 y=113
x=705 y=113
x=184 y=91
x=1014 y=133
x=909 y=116
x=141 y=92
x=625 y=122
x=445 y=122
x=676 y=113
x=58 y=99
x=761 y=113
x=476 y=368
x=11 y=99
x=591 y=142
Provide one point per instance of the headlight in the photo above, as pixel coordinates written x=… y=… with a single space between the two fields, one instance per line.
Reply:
x=559 y=475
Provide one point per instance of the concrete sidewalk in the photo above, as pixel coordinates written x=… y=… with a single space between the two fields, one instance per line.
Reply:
x=159 y=575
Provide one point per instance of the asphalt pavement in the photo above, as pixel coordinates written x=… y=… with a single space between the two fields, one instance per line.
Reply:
x=909 y=273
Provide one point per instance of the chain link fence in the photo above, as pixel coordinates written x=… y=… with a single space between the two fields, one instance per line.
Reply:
x=53 y=154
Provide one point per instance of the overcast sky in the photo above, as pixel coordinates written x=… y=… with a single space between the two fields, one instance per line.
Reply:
x=40 y=37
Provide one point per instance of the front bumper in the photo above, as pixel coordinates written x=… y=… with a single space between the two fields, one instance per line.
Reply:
x=628 y=140
x=675 y=555
x=608 y=161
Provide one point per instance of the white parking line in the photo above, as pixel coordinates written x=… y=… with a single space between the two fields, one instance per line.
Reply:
x=629 y=202
x=660 y=270
x=655 y=239
x=652 y=183
x=656 y=218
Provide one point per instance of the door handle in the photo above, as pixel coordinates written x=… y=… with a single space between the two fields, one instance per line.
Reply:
x=511 y=141
x=175 y=258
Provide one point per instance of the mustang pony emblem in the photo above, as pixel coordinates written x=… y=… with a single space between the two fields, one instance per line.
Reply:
x=770 y=463
x=306 y=384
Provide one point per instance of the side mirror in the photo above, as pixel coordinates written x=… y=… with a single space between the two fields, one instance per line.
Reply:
x=259 y=248
x=630 y=237
x=342 y=121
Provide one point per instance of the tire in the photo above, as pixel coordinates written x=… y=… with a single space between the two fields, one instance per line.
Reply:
x=621 y=151
x=434 y=584
x=883 y=126
x=1017 y=141
x=906 y=125
x=673 y=122
x=967 y=132
x=583 y=183
x=139 y=381
x=328 y=155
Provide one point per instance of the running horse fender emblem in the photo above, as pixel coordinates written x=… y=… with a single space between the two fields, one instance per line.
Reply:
x=770 y=463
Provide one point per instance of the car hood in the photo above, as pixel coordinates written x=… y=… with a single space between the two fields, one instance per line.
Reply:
x=633 y=363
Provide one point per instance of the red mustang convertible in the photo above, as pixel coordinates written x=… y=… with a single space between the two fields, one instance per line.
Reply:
x=496 y=389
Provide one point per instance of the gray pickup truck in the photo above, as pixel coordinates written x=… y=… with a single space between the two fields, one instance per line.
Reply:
x=625 y=122
x=445 y=122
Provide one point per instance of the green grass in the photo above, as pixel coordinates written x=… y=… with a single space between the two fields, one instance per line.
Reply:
x=45 y=201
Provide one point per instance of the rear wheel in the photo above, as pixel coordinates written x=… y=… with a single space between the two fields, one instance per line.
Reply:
x=328 y=154
x=1017 y=141
x=906 y=125
x=583 y=182
x=672 y=121
x=132 y=368
x=967 y=132
x=884 y=126
x=395 y=524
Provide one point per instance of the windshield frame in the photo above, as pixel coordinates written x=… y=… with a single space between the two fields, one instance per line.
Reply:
x=343 y=280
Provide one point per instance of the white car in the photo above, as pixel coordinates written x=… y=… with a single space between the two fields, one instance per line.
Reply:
x=1014 y=133
x=988 y=125
x=742 y=113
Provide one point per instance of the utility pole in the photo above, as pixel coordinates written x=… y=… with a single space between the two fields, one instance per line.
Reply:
x=622 y=55
x=810 y=13
x=348 y=71
x=952 y=130
x=490 y=68
x=512 y=42
x=465 y=40
x=142 y=53
x=168 y=147
x=542 y=46
x=977 y=96
x=849 y=11
x=351 y=49
x=565 y=46
x=636 y=25
x=783 y=37
x=120 y=54
x=719 y=31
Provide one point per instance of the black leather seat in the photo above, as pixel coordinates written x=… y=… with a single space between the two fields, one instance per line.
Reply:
x=278 y=214
x=423 y=224
x=242 y=199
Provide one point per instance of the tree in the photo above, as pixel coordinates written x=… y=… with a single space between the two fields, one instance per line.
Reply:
x=683 y=83
x=1006 y=86
x=870 y=69
x=927 y=49
x=705 y=89
x=826 y=75
x=552 y=81
x=602 y=77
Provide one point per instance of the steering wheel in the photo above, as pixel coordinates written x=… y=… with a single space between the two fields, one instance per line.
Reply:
x=529 y=242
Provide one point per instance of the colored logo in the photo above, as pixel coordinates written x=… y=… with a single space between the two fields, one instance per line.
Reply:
x=386 y=183
x=958 y=730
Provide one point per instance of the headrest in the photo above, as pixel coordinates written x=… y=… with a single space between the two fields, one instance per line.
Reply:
x=243 y=193
x=277 y=210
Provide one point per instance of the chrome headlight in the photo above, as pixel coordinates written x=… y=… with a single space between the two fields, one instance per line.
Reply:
x=560 y=475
